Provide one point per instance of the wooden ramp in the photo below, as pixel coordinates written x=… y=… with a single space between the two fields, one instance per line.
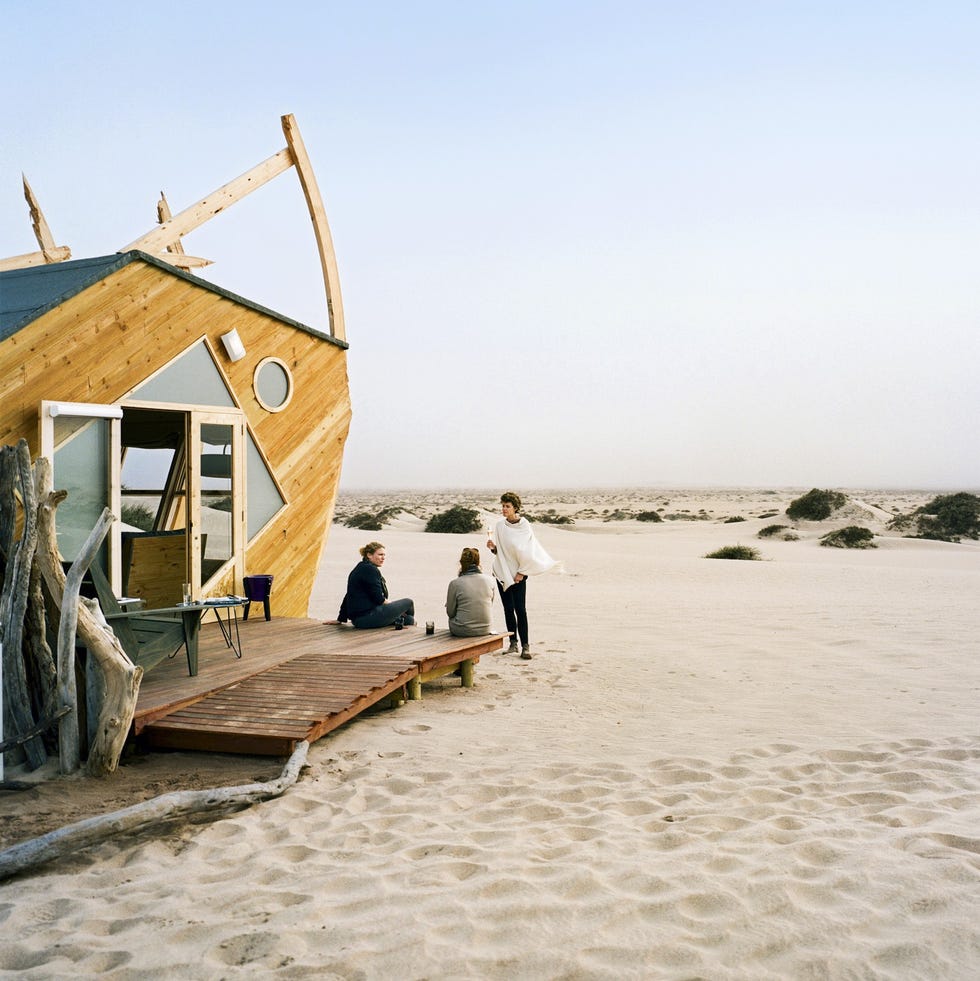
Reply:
x=298 y=679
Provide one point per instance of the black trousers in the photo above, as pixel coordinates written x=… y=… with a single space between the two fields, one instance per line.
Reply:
x=386 y=614
x=515 y=609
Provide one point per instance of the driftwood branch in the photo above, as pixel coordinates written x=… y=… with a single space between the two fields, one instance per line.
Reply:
x=68 y=734
x=119 y=677
x=42 y=726
x=29 y=855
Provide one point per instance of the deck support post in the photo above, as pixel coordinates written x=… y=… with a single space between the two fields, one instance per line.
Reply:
x=466 y=673
x=396 y=698
x=415 y=689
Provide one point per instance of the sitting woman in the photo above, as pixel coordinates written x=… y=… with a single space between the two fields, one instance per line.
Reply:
x=365 y=604
x=470 y=597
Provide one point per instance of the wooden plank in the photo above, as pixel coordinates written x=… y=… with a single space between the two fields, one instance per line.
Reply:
x=58 y=254
x=228 y=732
x=197 y=214
x=49 y=252
x=209 y=742
x=450 y=658
x=183 y=261
x=41 y=230
x=157 y=568
x=165 y=214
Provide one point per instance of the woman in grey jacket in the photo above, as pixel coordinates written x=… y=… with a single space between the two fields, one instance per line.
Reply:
x=470 y=598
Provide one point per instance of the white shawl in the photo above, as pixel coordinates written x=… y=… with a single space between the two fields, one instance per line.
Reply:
x=518 y=551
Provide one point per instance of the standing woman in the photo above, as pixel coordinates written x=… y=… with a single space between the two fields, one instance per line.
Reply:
x=365 y=603
x=517 y=555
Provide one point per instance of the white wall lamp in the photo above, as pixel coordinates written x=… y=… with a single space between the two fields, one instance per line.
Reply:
x=84 y=409
x=233 y=345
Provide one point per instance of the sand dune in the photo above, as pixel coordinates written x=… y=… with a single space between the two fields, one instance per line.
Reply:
x=710 y=769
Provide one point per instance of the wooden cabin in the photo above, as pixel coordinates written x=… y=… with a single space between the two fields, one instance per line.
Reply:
x=211 y=426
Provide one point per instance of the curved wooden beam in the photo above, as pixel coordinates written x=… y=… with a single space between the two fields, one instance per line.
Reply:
x=318 y=215
x=167 y=235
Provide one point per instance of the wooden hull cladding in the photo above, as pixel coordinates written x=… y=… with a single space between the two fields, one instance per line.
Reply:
x=102 y=343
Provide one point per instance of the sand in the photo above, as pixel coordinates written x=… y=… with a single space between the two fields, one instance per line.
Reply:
x=710 y=769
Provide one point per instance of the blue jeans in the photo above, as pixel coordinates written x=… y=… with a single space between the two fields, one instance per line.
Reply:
x=386 y=614
x=515 y=609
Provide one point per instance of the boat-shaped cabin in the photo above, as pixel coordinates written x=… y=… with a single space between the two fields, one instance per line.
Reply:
x=212 y=427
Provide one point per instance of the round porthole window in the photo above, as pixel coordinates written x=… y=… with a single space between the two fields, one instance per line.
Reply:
x=272 y=384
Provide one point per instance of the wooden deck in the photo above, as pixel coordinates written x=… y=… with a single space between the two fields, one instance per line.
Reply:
x=298 y=679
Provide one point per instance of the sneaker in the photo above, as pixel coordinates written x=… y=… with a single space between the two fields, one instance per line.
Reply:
x=399 y=623
x=513 y=649
x=526 y=653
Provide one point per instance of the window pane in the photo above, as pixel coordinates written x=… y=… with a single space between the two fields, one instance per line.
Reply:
x=272 y=384
x=264 y=499
x=216 y=498
x=81 y=467
x=191 y=380
x=144 y=477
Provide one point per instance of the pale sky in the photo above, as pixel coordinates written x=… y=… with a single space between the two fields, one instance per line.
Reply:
x=580 y=244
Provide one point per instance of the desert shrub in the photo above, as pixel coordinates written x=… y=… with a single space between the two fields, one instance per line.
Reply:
x=815 y=505
x=139 y=516
x=734 y=552
x=456 y=521
x=734 y=519
x=853 y=536
x=364 y=520
x=791 y=536
x=371 y=520
x=946 y=518
x=619 y=515
x=550 y=517
x=768 y=514
x=771 y=530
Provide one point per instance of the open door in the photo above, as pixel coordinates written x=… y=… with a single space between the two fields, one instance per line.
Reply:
x=183 y=494
x=216 y=482
x=82 y=442
x=174 y=477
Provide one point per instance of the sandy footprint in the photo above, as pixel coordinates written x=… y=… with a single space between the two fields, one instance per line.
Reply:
x=245 y=948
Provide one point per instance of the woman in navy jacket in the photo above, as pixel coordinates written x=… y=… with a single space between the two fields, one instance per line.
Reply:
x=366 y=602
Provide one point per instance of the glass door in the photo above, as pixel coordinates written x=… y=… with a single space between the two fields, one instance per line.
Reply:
x=81 y=440
x=216 y=498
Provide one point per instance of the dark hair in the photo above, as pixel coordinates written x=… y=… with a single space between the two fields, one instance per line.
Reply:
x=511 y=498
x=370 y=549
x=469 y=559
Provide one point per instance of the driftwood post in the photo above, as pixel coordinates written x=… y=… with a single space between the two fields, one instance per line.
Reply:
x=68 y=735
x=37 y=651
x=15 y=473
x=119 y=676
